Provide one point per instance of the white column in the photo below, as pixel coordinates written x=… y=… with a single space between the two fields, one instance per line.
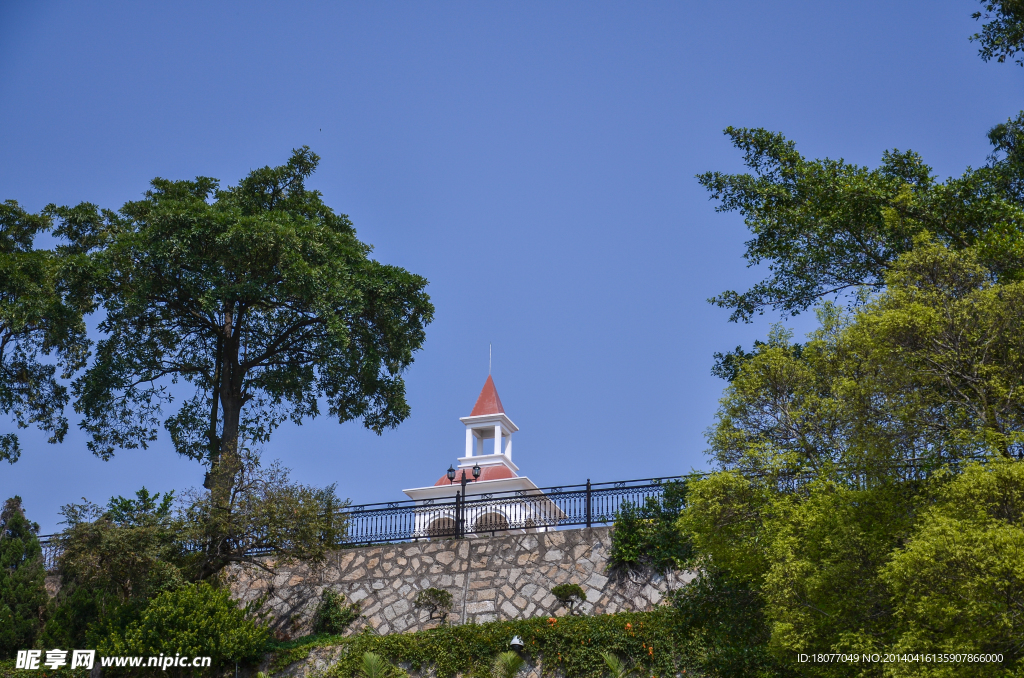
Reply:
x=497 y=439
x=469 y=442
x=508 y=448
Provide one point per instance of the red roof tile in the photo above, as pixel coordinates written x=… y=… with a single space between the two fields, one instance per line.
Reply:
x=488 y=402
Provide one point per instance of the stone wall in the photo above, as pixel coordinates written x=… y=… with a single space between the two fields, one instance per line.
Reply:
x=490 y=578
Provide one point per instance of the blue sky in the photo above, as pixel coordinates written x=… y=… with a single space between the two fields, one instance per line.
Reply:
x=535 y=161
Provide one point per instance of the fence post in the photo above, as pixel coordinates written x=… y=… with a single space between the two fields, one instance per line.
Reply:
x=588 y=503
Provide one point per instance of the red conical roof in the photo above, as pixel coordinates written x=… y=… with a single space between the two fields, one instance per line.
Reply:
x=488 y=402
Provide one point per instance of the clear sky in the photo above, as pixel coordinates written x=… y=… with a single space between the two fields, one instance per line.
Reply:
x=535 y=161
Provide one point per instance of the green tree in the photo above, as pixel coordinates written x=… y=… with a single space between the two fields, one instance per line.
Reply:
x=259 y=297
x=112 y=562
x=1002 y=36
x=265 y=512
x=569 y=596
x=929 y=371
x=40 y=315
x=22 y=580
x=958 y=584
x=826 y=451
x=827 y=227
x=437 y=602
x=721 y=621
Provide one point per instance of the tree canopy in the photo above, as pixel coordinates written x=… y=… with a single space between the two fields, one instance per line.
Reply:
x=259 y=297
x=22 y=589
x=40 y=315
x=1002 y=36
x=827 y=228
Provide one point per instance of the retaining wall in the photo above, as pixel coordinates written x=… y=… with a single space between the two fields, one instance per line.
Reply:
x=490 y=578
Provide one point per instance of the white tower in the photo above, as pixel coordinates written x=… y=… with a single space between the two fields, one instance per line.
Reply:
x=497 y=498
x=488 y=422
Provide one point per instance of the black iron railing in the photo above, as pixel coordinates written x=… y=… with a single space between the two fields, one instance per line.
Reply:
x=548 y=508
x=530 y=510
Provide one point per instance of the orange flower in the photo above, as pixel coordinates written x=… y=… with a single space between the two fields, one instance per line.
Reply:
x=552 y=621
x=650 y=651
x=629 y=627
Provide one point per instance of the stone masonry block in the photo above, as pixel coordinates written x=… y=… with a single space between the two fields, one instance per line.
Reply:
x=511 y=578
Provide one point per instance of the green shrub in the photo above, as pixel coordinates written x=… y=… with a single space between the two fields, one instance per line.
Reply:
x=646 y=535
x=570 y=646
x=332 y=615
x=437 y=601
x=722 y=620
x=616 y=667
x=375 y=666
x=23 y=595
x=569 y=595
x=507 y=665
x=193 y=620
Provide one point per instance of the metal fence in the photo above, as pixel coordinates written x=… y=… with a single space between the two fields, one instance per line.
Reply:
x=549 y=508
x=542 y=509
x=534 y=510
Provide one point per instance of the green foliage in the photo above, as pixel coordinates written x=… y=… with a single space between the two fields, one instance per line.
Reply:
x=507 y=665
x=23 y=595
x=112 y=561
x=570 y=646
x=823 y=588
x=259 y=297
x=931 y=371
x=569 y=595
x=826 y=227
x=616 y=667
x=374 y=666
x=332 y=615
x=264 y=511
x=437 y=601
x=118 y=558
x=196 y=620
x=646 y=535
x=1002 y=36
x=958 y=584
x=41 y=314
x=721 y=618
x=815 y=536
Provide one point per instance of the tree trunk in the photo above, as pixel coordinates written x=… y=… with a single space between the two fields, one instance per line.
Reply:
x=224 y=467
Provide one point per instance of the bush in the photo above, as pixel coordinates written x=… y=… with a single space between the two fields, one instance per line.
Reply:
x=507 y=665
x=569 y=595
x=375 y=666
x=437 y=601
x=569 y=647
x=193 y=620
x=647 y=536
x=23 y=595
x=332 y=615
x=722 y=621
x=114 y=560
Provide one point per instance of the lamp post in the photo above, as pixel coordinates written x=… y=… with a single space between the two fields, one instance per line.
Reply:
x=460 y=498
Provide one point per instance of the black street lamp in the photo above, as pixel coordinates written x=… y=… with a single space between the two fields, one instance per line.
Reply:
x=460 y=497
